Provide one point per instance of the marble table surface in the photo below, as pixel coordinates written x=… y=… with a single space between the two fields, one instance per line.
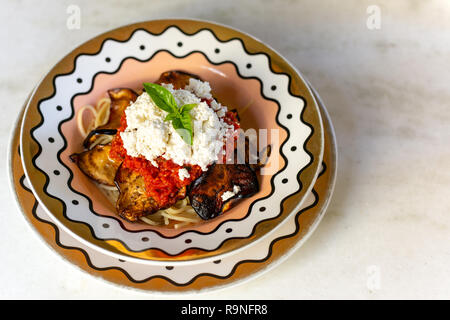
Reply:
x=386 y=86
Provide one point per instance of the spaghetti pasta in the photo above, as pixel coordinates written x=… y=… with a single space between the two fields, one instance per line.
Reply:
x=100 y=116
x=179 y=215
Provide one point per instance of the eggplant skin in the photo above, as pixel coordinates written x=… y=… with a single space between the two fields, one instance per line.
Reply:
x=121 y=98
x=97 y=164
x=205 y=193
x=179 y=79
x=133 y=201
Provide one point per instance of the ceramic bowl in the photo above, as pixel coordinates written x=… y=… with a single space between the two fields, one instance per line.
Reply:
x=244 y=74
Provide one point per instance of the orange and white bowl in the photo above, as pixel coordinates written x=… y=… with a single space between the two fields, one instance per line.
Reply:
x=244 y=74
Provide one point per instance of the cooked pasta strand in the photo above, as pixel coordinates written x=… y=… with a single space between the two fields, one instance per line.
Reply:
x=103 y=111
x=83 y=130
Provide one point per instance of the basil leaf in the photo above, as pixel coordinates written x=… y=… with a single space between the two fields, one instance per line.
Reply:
x=187 y=107
x=171 y=117
x=176 y=123
x=185 y=134
x=161 y=97
x=187 y=124
x=186 y=121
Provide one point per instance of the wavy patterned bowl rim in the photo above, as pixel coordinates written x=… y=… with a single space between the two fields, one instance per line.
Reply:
x=309 y=115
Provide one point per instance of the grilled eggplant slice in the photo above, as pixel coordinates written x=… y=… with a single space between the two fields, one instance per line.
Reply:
x=179 y=79
x=133 y=202
x=120 y=99
x=97 y=164
x=205 y=193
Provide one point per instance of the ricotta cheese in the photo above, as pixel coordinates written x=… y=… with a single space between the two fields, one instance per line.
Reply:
x=230 y=194
x=199 y=88
x=183 y=173
x=149 y=135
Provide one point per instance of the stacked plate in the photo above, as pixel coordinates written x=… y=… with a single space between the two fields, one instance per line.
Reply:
x=79 y=223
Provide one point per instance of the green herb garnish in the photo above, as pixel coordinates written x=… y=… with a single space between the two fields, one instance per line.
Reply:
x=180 y=117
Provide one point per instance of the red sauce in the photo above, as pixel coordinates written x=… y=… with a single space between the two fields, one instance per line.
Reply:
x=162 y=183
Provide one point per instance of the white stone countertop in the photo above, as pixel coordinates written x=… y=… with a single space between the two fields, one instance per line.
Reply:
x=387 y=91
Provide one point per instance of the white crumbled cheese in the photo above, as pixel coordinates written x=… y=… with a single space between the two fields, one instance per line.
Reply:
x=230 y=194
x=218 y=108
x=149 y=135
x=199 y=88
x=183 y=173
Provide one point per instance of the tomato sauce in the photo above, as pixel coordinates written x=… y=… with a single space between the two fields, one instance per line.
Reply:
x=162 y=183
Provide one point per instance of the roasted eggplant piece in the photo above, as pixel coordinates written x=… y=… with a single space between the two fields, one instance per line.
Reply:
x=133 y=202
x=120 y=99
x=179 y=79
x=97 y=164
x=214 y=191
